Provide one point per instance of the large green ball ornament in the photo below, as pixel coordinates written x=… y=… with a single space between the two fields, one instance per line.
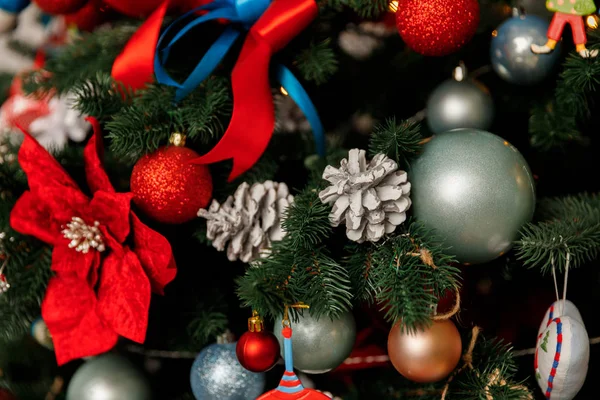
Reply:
x=108 y=377
x=475 y=190
x=320 y=345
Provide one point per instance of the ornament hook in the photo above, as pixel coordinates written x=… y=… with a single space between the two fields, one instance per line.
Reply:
x=460 y=72
x=286 y=317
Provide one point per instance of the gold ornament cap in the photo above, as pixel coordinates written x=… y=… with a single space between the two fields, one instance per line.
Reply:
x=255 y=322
x=177 y=139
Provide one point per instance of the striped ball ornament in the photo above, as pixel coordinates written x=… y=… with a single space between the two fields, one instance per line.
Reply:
x=562 y=352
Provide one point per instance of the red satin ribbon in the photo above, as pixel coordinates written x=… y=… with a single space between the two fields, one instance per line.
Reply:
x=253 y=119
x=134 y=67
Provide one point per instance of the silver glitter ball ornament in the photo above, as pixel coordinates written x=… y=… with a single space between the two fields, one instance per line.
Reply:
x=475 y=190
x=459 y=104
x=108 y=377
x=320 y=345
x=217 y=375
x=511 y=53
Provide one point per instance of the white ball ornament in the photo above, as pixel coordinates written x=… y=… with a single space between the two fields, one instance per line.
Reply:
x=562 y=352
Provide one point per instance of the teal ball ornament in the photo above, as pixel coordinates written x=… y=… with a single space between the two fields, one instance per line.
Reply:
x=217 y=375
x=320 y=345
x=108 y=377
x=475 y=190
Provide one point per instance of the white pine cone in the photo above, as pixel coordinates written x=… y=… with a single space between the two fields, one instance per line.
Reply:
x=248 y=221
x=371 y=199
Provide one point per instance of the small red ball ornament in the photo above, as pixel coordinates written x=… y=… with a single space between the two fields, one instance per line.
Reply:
x=167 y=187
x=257 y=350
x=134 y=8
x=60 y=6
x=437 y=27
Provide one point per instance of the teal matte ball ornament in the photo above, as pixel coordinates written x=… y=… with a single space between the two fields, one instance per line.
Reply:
x=475 y=190
x=320 y=345
x=108 y=377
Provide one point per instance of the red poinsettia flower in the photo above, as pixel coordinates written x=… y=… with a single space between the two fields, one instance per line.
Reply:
x=101 y=288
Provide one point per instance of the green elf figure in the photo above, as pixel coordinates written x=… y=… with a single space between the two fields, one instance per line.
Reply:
x=568 y=12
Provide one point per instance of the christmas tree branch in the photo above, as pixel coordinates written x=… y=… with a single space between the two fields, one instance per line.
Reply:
x=299 y=268
x=556 y=122
x=80 y=61
x=410 y=274
x=148 y=122
x=401 y=141
x=365 y=8
x=317 y=62
x=568 y=226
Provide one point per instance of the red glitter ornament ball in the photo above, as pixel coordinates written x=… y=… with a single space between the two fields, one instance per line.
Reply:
x=437 y=27
x=134 y=8
x=168 y=188
x=257 y=351
x=60 y=6
x=94 y=13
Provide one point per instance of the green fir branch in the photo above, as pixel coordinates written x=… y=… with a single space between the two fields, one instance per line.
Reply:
x=571 y=226
x=299 y=268
x=400 y=141
x=80 y=61
x=558 y=122
x=101 y=96
x=549 y=127
x=148 y=122
x=317 y=62
x=407 y=287
x=365 y=8
x=359 y=262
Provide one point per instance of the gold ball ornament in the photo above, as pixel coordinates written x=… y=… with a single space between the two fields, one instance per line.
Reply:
x=425 y=356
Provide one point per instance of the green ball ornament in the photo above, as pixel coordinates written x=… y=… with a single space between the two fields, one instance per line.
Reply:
x=475 y=190
x=320 y=345
x=108 y=377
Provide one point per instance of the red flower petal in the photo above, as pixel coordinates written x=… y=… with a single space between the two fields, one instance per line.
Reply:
x=112 y=211
x=31 y=216
x=94 y=170
x=69 y=310
x=49 y=181
x=155 y=254
x=72 y=262
x=124 y=295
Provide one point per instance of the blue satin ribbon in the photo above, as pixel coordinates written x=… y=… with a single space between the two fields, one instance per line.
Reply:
x=243 y=14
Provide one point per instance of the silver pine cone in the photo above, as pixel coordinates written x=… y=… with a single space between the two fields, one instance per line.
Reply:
x=371 y=199
x=247 y=222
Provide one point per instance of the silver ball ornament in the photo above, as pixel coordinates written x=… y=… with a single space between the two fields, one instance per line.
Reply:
x=217 y=375
x=108 y=377
x=475 y=190
x=511 y=53
x=320 y=345
x=459 y=104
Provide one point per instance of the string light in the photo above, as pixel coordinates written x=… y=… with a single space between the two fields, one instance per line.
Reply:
x=393 y=6
x=283 y=91
x=592 y=21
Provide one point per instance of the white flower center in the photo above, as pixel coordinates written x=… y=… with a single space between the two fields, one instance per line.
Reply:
x=83 y=237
